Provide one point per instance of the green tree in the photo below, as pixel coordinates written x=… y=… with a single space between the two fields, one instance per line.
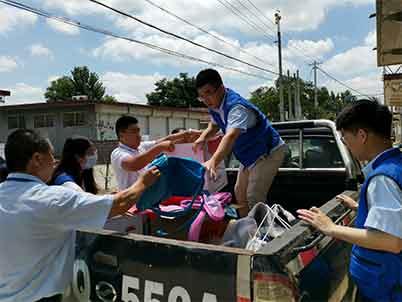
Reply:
x=109 y=99
x=60 y=89
x=178 y=92
x=81 y=82
x=267 y=100
x=329 y=103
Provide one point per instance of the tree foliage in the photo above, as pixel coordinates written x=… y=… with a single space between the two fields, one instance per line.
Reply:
x=329 y=103
x=179 y=92
x=80 y=82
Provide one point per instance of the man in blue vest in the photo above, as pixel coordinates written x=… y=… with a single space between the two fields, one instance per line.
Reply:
x=376 y=263
x=247 y=132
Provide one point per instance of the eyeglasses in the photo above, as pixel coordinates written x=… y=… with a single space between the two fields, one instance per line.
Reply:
x=207 y=95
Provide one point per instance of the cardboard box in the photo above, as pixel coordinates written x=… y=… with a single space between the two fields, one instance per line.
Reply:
x=126 y=224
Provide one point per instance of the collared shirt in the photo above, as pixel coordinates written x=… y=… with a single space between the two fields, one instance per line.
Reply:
x=126 y=178
x=384 y=203
x=239 y=117
x=37 y=235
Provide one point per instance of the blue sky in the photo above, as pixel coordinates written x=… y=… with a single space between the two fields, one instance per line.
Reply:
x=35 y=51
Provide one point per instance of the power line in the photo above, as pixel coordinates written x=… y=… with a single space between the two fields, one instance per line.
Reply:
x=238 y=13
x=341 y=83
x=270 y=28
x=78 y=24
x=180 y=37
x=258 y=10
x=256 y=16
x=207 y=32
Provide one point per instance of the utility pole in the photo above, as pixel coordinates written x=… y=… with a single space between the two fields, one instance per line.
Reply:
x=298 y=109
x=280 y=82
x=315 y=67
x=288 y=80
x=296 y=92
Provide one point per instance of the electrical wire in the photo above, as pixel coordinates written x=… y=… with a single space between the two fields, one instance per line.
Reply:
x=180 y=37
x=81 y=25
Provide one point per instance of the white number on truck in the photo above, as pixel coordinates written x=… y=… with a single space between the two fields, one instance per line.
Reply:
x=153 y=291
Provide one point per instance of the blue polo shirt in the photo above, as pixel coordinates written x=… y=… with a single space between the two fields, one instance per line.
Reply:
x=37 y=235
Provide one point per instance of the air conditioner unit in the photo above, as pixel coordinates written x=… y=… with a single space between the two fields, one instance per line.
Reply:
x=80 y=98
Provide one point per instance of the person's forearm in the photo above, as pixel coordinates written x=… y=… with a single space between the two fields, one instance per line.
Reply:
x=225 y=146
x=125 y=199
x=140 y=161
x=176 y=138
x=209 y=132
x=370 y=239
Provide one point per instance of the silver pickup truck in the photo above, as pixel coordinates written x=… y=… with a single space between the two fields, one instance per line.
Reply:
x=299 y=265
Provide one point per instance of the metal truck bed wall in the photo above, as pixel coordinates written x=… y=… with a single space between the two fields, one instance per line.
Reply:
x=138 y=267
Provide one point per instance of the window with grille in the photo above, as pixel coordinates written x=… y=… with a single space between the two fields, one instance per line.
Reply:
x=16 y=121
x=44 y=121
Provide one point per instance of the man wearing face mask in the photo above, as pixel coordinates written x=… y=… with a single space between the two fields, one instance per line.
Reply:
x=75 y=169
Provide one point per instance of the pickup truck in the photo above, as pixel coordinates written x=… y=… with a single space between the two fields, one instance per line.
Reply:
x=299 y=265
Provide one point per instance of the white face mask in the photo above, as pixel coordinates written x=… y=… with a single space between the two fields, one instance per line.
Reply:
x=90 y=161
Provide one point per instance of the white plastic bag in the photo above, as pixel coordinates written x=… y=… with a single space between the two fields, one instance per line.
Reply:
x=272 y=224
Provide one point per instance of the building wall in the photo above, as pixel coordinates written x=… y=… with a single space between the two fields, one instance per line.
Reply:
x=154 y=122
x=100 y=120
x=56 y=134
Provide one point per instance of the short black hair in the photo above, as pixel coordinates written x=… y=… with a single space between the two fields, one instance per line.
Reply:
x=124 y=122
x=21 y=145
x=208 y=76
x=366 y=114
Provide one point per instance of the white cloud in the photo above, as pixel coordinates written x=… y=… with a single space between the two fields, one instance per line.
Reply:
x=79 y=7
x=296 y=15
x=23 y=93
x=307 y=48
x=12 y=17
x=129 y=87
x=364 y=85
x=371 y=39
x=52 y=78
x=7 y=64
x=38 y=50
x=120 y=50
x=352 y=62
x=63 y=27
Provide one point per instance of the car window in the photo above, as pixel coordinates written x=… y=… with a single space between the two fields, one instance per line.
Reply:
x=318 y=152
x=321 y=152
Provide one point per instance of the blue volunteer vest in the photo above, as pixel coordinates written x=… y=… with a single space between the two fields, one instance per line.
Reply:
x=63 y=178
x=377 y=274
x=256 y=141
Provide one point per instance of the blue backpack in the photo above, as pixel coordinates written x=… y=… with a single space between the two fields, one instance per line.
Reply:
x=179 y=177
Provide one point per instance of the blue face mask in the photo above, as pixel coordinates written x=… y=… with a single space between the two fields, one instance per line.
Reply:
x=90 y=161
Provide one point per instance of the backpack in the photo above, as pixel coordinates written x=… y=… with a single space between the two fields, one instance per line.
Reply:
x=179 y=177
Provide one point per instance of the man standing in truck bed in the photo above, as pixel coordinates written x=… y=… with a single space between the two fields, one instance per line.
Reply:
x=247 y=131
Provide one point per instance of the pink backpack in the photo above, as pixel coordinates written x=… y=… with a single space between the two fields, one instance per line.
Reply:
x=214 y=207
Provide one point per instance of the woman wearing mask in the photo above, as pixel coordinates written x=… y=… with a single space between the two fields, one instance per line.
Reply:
x=75 y=169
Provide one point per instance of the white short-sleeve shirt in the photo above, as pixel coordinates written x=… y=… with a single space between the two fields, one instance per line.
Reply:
x=126 y=178
x=37 y=235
